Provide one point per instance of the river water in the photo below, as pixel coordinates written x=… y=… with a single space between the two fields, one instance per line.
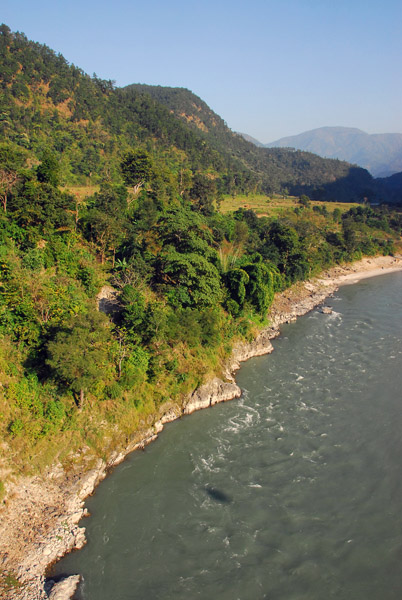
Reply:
x=292 y=492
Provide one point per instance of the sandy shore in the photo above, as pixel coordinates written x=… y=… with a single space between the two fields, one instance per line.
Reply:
x=39 y=519
x=363 y=269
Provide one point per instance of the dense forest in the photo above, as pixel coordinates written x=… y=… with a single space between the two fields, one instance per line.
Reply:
x=182 y=281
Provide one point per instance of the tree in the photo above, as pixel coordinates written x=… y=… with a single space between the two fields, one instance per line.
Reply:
x=111 y=199
x=136 y=167
x=337 y=215
x=260 y=287
x=105 y=231
x=186 y=230
x=189 y=279
x=49 y=169
x=8 y=179
x=203 y=193
x=132 y=312
x=78 y=353
x=41 y=208
x=12 y=160
x=285 y=240
x=241 y=232
x=304 y=201
x=236 y=281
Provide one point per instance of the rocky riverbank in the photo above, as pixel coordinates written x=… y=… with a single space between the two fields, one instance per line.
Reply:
x=39 y=521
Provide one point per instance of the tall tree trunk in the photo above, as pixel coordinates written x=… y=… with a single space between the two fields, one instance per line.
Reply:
x=81 y=401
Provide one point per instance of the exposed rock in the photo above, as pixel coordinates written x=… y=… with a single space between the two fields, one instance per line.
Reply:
x=107 y=300
x=64 y=589
x=211 y=393
x=171 y=415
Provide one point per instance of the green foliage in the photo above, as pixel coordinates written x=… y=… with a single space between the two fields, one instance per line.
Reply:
x=135 y=367
x=133 y=312
x=188 y=279
x=194 y=327
x=136 y=167
x=35 y=411
x=79 y=351
x=49 y=169
x=253 y=283
x=40 y=209
x=260 y=287
x=203 y=193
x=111 y=199
x=236 y=281
x=304 y=201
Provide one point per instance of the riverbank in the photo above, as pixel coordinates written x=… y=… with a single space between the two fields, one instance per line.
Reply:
x=40 y=518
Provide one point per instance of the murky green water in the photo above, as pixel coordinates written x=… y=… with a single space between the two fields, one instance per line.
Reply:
x=293 y=492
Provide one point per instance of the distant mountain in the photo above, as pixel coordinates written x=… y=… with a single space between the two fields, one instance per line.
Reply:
x=379 y=153
x=250 y=138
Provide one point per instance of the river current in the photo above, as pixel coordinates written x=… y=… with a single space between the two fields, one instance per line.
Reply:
x=292 y=492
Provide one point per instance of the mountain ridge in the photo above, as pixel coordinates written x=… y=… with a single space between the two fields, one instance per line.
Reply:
x=300 y=172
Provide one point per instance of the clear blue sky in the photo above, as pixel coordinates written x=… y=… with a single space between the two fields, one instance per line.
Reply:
x=270 y=68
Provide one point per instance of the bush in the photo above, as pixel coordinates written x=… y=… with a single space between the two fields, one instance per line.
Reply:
x=2 y=490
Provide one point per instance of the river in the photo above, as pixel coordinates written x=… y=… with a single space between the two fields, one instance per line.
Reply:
x=292 y=492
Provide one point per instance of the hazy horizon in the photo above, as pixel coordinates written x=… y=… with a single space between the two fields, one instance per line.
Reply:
x=330 y=127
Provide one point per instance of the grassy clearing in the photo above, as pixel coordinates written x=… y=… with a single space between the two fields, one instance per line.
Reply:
x=81 y=191
x=273 y=206
x=262 y=205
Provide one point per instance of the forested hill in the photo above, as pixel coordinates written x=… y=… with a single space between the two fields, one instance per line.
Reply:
x=276 y=169
x=49 y=104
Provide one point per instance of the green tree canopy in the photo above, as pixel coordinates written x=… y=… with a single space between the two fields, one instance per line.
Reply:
x=136 y=167
x=49 y=169
x=188 y=279
x=78 y=353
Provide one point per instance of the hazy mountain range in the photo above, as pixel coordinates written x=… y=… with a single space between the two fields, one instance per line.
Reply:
x=379 y=153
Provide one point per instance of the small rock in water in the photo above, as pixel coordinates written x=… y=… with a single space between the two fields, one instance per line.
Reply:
x=326 y=310
x=217 y=494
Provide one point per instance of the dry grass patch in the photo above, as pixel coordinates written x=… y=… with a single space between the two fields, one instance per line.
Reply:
x=81 y=191
x=274 y=205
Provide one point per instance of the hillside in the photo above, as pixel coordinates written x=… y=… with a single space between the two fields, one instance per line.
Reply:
x=275 y=169
x=250 y=138
x=381 y=153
